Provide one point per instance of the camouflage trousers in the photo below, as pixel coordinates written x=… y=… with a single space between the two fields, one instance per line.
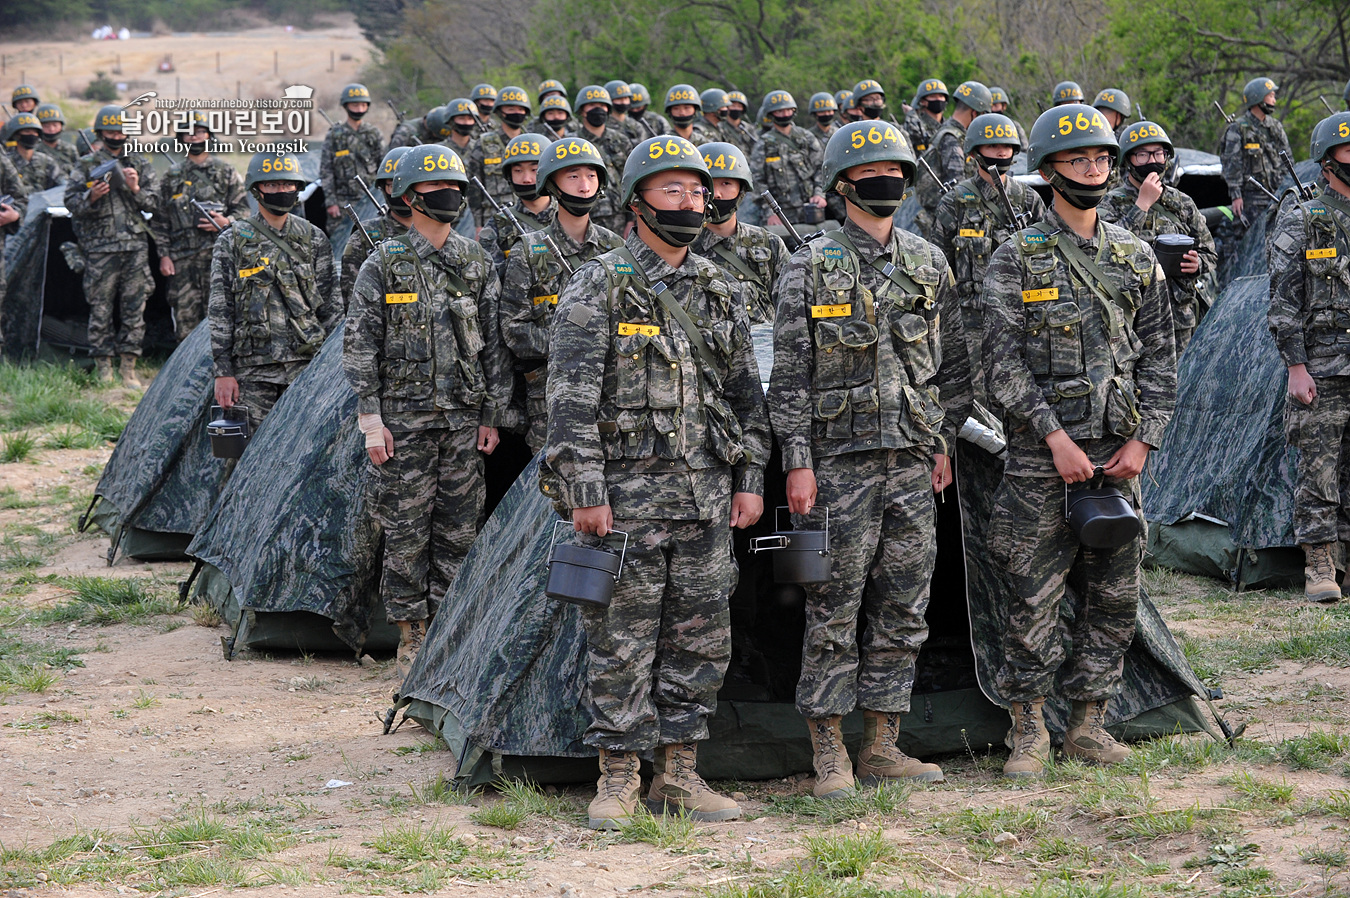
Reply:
x=117 y=282
x=188 y=289
x=428 y=498
x=972 y=319
x=1321 y=433
x=882 y=548
x=657 y=655
x=259 y=397
x=1030 y=538
x=536 y=407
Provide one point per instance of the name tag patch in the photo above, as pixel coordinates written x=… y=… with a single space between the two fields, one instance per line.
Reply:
x=551 y=299
x=1251 y=146
x=970 y=232
x=249 y=272
x=495 y=160
x=1328 y=253
x=842 y=310
x=343 y=153
x=627 y=329
x=398 y=298
x=772 y=158
x=1044 y=295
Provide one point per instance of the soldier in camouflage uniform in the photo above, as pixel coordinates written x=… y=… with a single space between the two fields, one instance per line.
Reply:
x=1310 y=320
x=379 y=229
x=274 y=291
x=683 y=105
x=462 y=122
x=413 y=132
x=870 y=99
x=592 y=106
x=621 y=102
x=656 y=428
x=714 y=103
x=848 y=111
x=946 y=155
x=867 y=332
x=971 y=222
x=53 y=123
x=1078 y=352
x=183 y=235
x=1251 y=147
x=786 y=162
x=351 y=148
x=573 y=173
x=999 y=101
x=825 y=111
x=1114 y=105
x=1066 y=92
x=531 y=208
x=484 y=98
x=1147 y=207
x=737 y=129
x=554 y=121
x=923 y=121
x=750 y=257
x=115 y=239
x=487 y=156
x=38 y=171
x=550 y=87
x=24 y=98
x=432 y=380
x=651 y=123
x=12 y=212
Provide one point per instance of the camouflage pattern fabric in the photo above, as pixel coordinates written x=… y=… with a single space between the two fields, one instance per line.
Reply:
x=788 y=166
x=113 y=223
x=23 y=255
x=41 y=172
x=614 y=146
x=969 y=225
x=1251 y=148
x=357 y=250
x=118 y=281
x=1173 y=213
x=948 y=159
x=534 y=280
x=762 y=257
x=499 y=235
x=651 y=124
x=1321 y=433
x=879 y=573
x=63 y=152
x=411 y=132
x=11 y=183
x=346 y=153
x=260 y=392
x=741 y=134
x=920 y=127
x=484 y=162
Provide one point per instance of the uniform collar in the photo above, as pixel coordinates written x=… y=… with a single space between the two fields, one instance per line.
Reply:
x=653 y=265
x=866 y=244
x=1056 y=223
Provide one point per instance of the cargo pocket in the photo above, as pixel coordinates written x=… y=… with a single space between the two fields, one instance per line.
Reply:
x=465 y=310
x=1122 y=407
x=669 y=432
x=1037 y=339
x=725 y=437
x=1063 y=325
x=832 y=409
x=635 y=436
x=1013 y=530
x=630 y=368
x=1298 y=420
x=663 y=373
x=866 y=408
x=1071 y=400
x=911 y=331
x=407 y=333
x=923 y=411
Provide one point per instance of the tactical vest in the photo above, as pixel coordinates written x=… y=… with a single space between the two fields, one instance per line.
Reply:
x=182 y=187
x=1326 y=278
x=1257 y=161
x=116 y=216
x=874 y=354
x=660 y=399
x=980 y=229
x=275 y=298
x=748 y=265
x=1084 y=362
x=354 y=153
x=492 y=146
x=789 y=171
x=432 y=335
x=548 y=276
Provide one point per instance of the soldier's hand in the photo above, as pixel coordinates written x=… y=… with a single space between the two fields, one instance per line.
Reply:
x=334 y=211
x=801 y=490
x=772 y=221
x=818 y=200
x=1070 y=461
x=381 y=454
x=746 y=509
x=1301 y=385
x=1237 y=207
x=133 y=178
x=217 y=222
x=1190 y=263
x=227 y=392
x=99 y=190
x=1128 y=460
x=487 y=439
x=942 y=472
x=8 y=214
x=596 y=520
x=166 y=266
x=1149 y=191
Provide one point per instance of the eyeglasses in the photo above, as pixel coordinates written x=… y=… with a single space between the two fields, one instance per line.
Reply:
x=676 y=194
x=1083 y=164
x=1147 y=156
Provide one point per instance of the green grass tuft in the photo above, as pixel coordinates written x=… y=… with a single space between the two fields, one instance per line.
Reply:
x=109 y=600
x=848 y=855
x=17 y=446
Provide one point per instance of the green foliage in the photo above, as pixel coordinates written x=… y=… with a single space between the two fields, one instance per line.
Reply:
x=108 y=600
x=17 y=446
x=847 y=855
x=101 y=89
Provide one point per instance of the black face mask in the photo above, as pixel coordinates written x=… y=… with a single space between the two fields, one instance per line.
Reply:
x=722 y=210
x=484 y=112
x=463 y=130
x=355 y=115
x=1079 y=195
x=682 y=120
x=880 y=196
x=27 y=141
x=1340 y=170
x=783 y=120
x=734 y=114
x=637 y=112
x=114 y=145
x=196 y=149
x=557 y=124
x=936 y=107
x=1151 y=168
x=525 y=191
x=678 y=227
x=1000 y=165
x=399 y=206
x=514 y=119
x=824 y=119
x=439 y=205
x=596 y=118
x=1268 y=108
x=621 y=108
x=278 y=203
x=580 y=206
x=51 y=138
x=715 y=116
x=873 y=112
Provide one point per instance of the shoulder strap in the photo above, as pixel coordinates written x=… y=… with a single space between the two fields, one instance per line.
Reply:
x=729 y=256
x=1088 y=271
x=675 y=310
x=265 y=231
x=895 y=275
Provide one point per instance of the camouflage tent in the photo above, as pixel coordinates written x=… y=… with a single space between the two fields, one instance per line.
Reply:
x=162 y=480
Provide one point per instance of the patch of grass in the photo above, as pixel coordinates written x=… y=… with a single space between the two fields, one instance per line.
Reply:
x=10 y=498
x=1314 y=750
x=72 y=438
x=144 y=701
x=1325 y=857
x=500 y=814
x=1260 y=792
x=17 y=446
x=984 y=824
x=519 y=801
x=206 y=616
x=1335 y=803
x=848 y=855
x=1156 y=824
x=108 y=600
x=675 y=833
x=417 y=843
x=17 y=556
x=439 y=790
x=422 y=747
x=27 y=665
x=806 y=882
x=885 y=800
x=46 y=395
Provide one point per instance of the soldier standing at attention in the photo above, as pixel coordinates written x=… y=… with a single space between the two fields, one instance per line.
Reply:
x=1147 y=207
x=848 y=110
x=351 y=148
x=656 y=428
x=750 y=257
x=488 y=155
x=24 y=98
x=972 y=223
x=947 y=153
x=38 y=171
x=115 y=239
x=1251 y=147
x=1309 y=299
x=554 y=114
x=484 y=97
x=1078 y=352
x=1114 y=105
x=926 y=117
x=737 y=128
x=53 y=123
x=999 y=102
x=183 y=235
x=651 y=123
x=414 y=131
x=592 y=105
x=573 y=173
x=786 y=161
x=870 y=99
x=379 y=229
x=432 y=381
x=683 y=105
x=531 y=208
x=621 y=103
x=714 y=104
x=274 y=292
x=463 y=123
x=867 y=332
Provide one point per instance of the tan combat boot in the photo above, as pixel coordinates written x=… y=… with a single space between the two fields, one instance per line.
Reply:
x=1031 y=741
x=103 y=369
x=1319 y=574
x=678 y=789
x=410 y=636
x=834 y=771
x=1087 y=737
x=617 y=790
x=881 y=759
x=128 y=372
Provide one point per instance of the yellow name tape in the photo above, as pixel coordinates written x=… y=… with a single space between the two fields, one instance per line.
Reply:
x=496 y=160
x=250 y=272
x=838 y=311
x=343 y=153
x=627 y=330
x=1251 y=146
x=772 y=158
x=1044 y=295
x=970 y=232
x=552 y=299
x=397 y=298
x=1328 y=253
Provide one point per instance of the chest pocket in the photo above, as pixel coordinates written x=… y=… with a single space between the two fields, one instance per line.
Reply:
x=1327 y=262
x=1064 y=332
x=407 y=324
x=915 y=345
x=845 y=345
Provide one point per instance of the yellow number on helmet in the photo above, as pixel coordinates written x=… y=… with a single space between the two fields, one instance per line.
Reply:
x=1343 y=130
x=873 y=135
x=1081 y=122
x=655 y=151
x=856 y=139
x=673 y=148
x=1065 y=125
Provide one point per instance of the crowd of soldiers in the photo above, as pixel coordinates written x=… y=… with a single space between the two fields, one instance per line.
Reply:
x=604 y=312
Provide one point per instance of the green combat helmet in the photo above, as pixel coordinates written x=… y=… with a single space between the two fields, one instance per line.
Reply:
x=49 y=112
x=512 y=96
x=550 y=87
x=726 y=160
x=483 y=92
x=641 y=96
x=974 y=95
x=1115 y=99
x=858 y=143
x=989 y=130
x=659 y=154
x=429 y=162
x=998 y=95
x=1066 y=92
x=619 y=90
x=1255 y=90
x=436 y=122
x=867 y=88
x=272 y=167
x=778 y=101
x=1331 y=132
x=24 y=92
x=593 y=93
x=1067 y=128
x=843 y=99
x=354 y=93
x=192 y=121
x=1345 y=94
x=737 y=96
x=22 y=121
x=931 y=86
x=681 y=95
x=554 y=101
x=390 y=161
x=1143 y=134
x=823 y=102
x=108 y=118
x=459 y=106
x=566 y=153
x=523 y=148
x=713 y=99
